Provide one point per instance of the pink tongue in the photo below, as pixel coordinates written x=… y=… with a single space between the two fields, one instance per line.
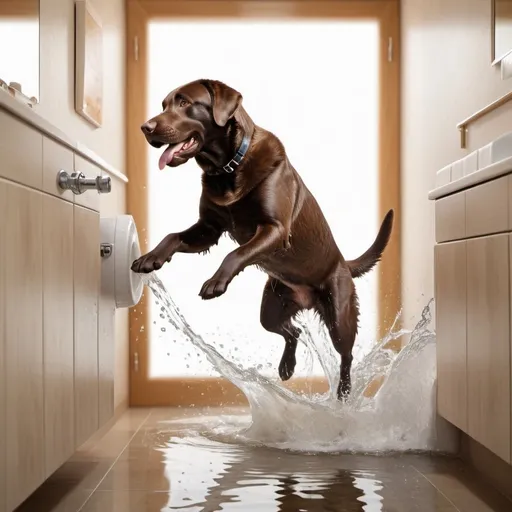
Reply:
x=168 y=155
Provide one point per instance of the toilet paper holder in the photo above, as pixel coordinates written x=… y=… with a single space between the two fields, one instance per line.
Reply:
x=78 y=183
x=119 y=248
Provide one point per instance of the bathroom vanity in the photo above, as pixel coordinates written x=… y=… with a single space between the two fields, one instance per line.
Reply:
x=56 y=339
x=473 y=280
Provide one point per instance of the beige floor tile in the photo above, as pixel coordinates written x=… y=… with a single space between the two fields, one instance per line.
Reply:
x=134 y=466
x=132 y=501
x=112 y=443
x=137 y=470
x=468 y=492
x=51 y=499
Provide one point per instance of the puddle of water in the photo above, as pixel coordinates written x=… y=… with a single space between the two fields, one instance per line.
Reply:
x=399 y=417
x=207 y=475
x=236 y=478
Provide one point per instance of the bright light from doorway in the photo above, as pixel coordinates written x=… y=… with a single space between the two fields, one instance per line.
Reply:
x=315 y=85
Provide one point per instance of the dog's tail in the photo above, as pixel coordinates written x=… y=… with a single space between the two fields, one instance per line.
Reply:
x=372 y=256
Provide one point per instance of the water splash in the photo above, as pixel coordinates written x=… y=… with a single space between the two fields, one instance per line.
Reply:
x=399 y=416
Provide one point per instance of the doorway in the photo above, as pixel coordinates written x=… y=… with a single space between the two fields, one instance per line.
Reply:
x=294 y=55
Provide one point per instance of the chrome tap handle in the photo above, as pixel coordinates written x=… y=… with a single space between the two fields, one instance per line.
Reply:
x=78 y=183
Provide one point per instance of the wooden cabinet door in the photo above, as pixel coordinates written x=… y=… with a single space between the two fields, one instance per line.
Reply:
x=488 y=335
x=59 y=419
x=23 y=329
x=87 y=280
x=3 y=417
x=106 y=358
x=450 y=289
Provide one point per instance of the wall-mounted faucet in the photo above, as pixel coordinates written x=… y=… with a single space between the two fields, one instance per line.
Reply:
x=78 y=183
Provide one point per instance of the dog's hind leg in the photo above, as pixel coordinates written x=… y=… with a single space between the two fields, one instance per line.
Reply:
x=278 y=308
x=339 y=308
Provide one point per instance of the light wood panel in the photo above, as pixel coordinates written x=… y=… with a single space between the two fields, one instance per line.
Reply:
x=18 y=164
x=146 y=391
x=488 y=343
x=59 y=413
x=510 y=201
x=106 y=359
x=3 y=473
x=28 y=9
x=24 y=341
x=86 y=288
x=487 y=208
x=55 y=158
x=451 y=311
x=451 y=217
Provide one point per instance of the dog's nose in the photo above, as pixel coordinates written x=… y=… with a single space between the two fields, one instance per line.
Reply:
x=148 y=127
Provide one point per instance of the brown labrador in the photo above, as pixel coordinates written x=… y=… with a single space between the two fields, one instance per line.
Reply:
x=251 y=191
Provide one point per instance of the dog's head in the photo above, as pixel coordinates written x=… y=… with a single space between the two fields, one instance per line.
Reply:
x=192 y=115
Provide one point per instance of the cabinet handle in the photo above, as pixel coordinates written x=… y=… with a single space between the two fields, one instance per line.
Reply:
x=78 y=183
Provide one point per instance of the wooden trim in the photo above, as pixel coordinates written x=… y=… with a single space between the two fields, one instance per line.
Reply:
x=143 y=390
x=136 y=197
x=214 y=392
x=19 y=9
x=278 y=9
x=389 y=278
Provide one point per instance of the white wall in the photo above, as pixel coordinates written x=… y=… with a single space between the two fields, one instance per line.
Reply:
x=57 y=105
x=58 y=76
x=446 y=76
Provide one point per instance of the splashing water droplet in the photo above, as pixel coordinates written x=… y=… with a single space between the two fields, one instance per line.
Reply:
x=399 y=416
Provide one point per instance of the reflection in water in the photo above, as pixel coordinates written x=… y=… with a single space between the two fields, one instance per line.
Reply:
x=207 y=476
x=245 y=462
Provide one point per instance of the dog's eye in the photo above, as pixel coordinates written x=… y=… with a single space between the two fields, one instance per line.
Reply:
x=183 y=103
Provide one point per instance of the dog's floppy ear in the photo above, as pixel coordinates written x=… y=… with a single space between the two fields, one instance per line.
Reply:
x=225 y=101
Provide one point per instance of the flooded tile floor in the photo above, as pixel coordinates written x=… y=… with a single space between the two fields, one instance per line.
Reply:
x=141 y=465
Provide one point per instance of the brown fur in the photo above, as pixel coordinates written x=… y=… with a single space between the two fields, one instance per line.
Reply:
x=267 y=209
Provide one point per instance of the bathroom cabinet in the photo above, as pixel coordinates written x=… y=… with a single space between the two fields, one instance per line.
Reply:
x=473 y=270
x=56 y=383
x=23 y=328
x=57 y=331
x=488 y=342
x=451 y=283
x=3 y=417
x=87 y=280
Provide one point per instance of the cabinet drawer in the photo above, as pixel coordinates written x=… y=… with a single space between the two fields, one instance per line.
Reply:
x=90 y=198
x=21 y=152
x=451 y=217
x=56 y=157
x=487 y=208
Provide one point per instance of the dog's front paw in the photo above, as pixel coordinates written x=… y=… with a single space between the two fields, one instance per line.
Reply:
x=214 y=287
x=148 y=263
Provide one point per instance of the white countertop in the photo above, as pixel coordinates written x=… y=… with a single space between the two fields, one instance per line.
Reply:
x=491 y=172
x=29 y=116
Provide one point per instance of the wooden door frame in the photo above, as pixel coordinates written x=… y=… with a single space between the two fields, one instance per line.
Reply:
x=215 y=391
